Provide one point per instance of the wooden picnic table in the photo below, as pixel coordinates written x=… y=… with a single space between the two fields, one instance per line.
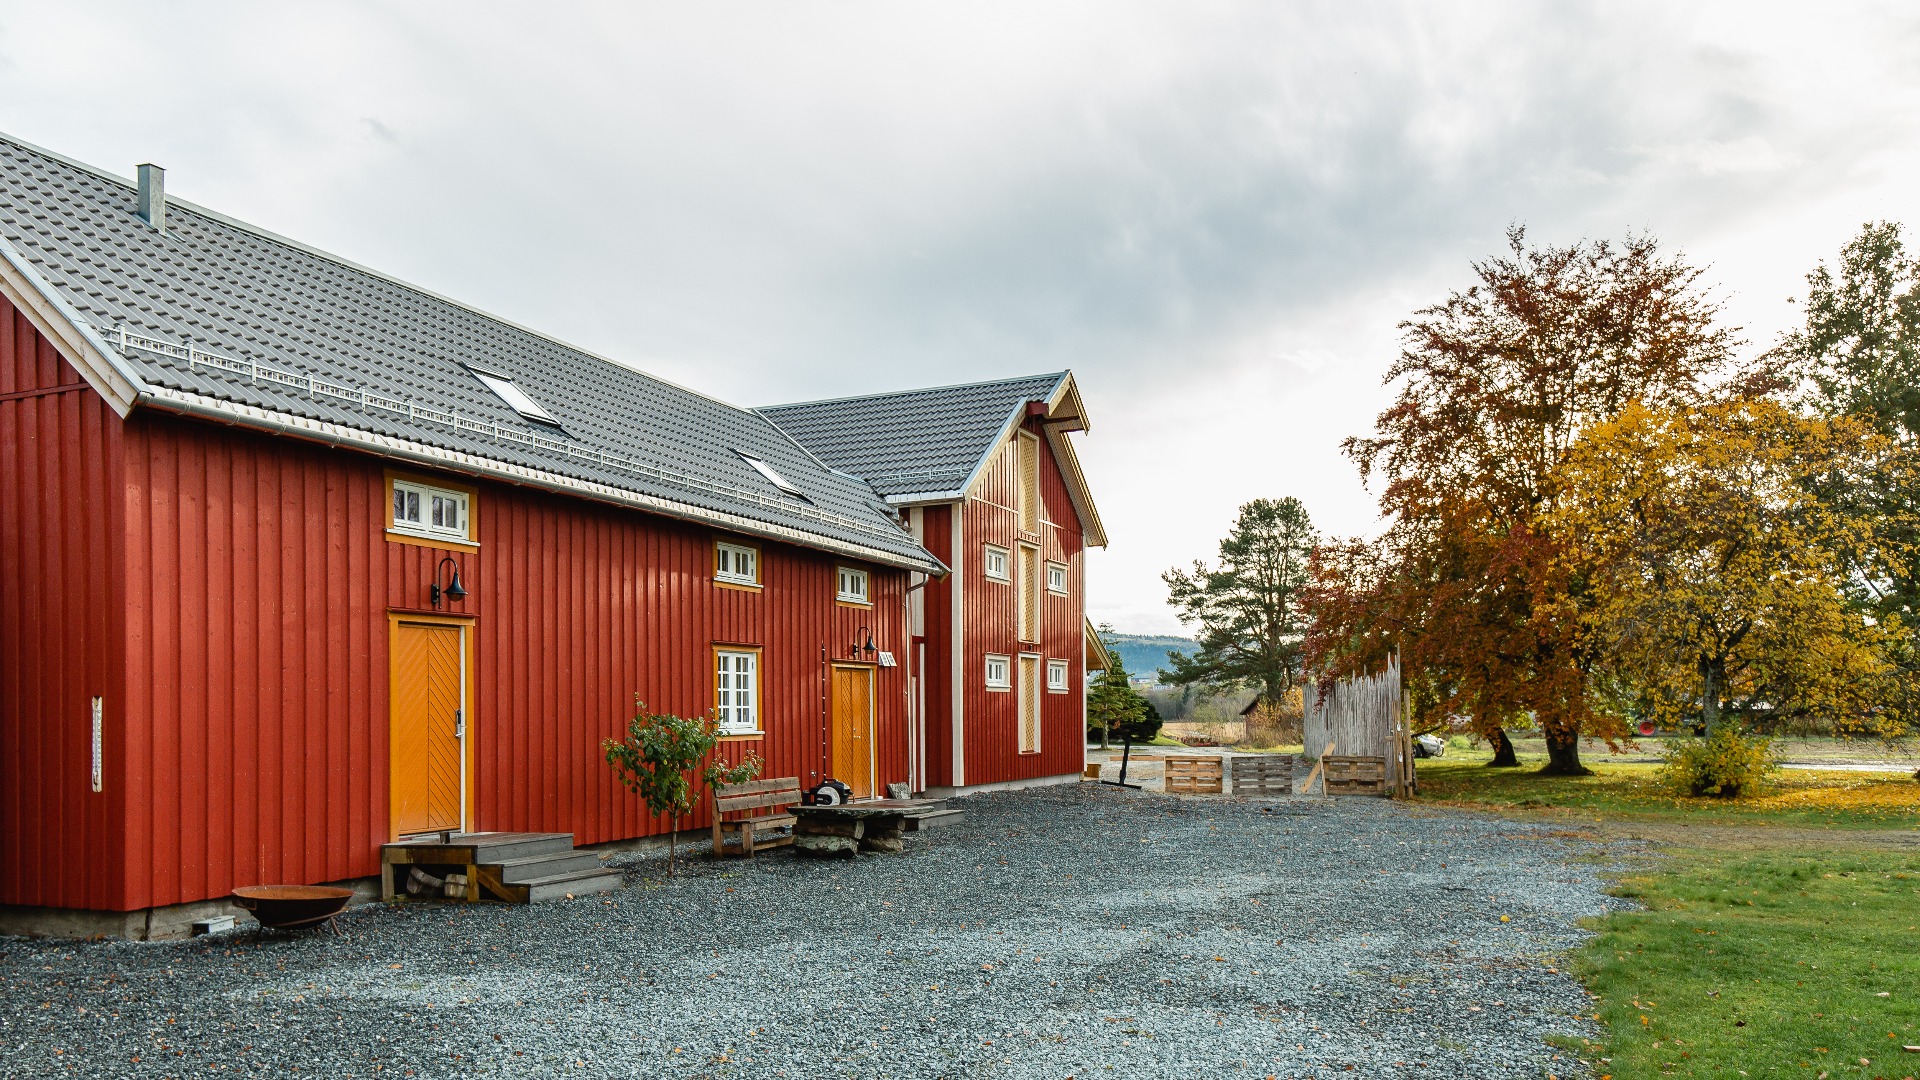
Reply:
x=841 y=830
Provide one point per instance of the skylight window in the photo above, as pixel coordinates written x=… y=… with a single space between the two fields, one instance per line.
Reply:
x=516 y=398
x=773 y=478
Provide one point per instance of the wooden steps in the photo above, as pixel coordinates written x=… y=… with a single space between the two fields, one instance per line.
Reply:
x=519 y=868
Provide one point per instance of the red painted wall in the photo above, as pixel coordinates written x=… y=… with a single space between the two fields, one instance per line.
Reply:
x=937 y=537
x=991 y=718
x=59 y=455
x=228 y=593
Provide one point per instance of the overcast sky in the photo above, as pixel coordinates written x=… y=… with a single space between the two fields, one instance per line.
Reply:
x=1213 y=213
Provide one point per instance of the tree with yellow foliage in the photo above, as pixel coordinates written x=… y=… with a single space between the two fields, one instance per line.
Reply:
x=1716 y=579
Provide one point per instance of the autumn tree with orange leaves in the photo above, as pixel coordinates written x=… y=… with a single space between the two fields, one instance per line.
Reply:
x=1473 y=581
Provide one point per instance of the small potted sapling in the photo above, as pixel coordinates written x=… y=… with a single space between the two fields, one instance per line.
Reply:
x=658 y=759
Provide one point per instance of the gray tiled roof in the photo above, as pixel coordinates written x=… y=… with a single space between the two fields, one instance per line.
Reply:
x=915 y=441
x=363 y=352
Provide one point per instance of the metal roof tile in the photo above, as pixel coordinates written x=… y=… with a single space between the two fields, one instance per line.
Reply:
x=228 y=289
x=912 y=441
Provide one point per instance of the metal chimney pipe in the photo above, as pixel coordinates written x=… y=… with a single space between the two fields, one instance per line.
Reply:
x=153 y=196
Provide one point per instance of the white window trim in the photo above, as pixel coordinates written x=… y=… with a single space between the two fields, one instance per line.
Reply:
x=1065 y=668
x=732 y=577
x=1006 y=563
x=864 y=596
x=729 y=726
x=425 y=528
x=1062 y=567
x=1006 y=672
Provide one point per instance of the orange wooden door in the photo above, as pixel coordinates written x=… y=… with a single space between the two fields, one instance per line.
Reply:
x=852 y=748
x=427 y=727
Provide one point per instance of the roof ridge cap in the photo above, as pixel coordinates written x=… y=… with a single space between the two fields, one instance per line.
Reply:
x=1056 y=376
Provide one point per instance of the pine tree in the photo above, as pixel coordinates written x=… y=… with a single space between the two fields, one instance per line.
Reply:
x=1115 y=708
x=1248 y=610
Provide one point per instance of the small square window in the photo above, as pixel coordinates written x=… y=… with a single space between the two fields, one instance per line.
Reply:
x=736 y=685
x=999 y=673
x=994 y=562
x=853 y=585
x=1057 y=675
x=736 y=563
x=1057 y=578
x=424 y=510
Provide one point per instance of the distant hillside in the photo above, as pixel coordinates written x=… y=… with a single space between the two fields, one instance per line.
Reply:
x=1144 y=654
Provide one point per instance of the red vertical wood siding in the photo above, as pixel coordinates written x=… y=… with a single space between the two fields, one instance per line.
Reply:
x=992 y=717
x=228 y=592
x=59 y=454
x=937 y=536
x=619 y=605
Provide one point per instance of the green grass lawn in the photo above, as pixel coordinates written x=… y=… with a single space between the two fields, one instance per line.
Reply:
x=1775 y=963
x=1768 y=933
x=1822 y=800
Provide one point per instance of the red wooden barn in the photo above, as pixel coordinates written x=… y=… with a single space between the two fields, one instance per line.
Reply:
x=990 y=484
x=239 y=479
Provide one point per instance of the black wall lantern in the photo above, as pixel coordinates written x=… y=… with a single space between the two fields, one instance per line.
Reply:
x=856 y=649
x=454 y=591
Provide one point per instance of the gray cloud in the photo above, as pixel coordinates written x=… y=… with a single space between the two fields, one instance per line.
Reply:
x=1214 y=212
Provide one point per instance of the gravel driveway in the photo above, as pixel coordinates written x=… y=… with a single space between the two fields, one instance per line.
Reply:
x=1076 y=931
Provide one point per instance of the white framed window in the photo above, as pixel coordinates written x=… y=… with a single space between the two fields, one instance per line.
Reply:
x=1058 y=674
x=737 y=564
x=736 y=691
x=999 y=673
x=424 y=510
x=1057 y=578
x=853 y=585
x=993 y=561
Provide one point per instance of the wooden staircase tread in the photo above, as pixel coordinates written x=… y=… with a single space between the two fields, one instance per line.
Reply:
x=481 y=839
x=531 y=860
x=576 y=876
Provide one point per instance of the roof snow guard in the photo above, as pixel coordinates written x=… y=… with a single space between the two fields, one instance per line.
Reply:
x=217 y=318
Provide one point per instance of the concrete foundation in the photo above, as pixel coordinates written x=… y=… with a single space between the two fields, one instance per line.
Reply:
x=1005 y=785
x=165 y=923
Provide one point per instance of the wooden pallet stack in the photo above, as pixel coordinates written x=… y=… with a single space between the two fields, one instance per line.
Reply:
x=1194 y=775
x=1262 y=774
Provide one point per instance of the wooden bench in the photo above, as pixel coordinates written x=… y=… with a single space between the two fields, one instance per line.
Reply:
x=771 y=797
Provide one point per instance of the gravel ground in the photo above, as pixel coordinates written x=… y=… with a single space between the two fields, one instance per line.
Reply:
x=1075 y=931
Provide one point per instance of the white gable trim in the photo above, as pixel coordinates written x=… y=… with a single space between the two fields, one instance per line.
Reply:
x=76 y=341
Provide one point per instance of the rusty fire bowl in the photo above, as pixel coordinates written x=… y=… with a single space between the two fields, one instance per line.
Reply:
x=289 y=907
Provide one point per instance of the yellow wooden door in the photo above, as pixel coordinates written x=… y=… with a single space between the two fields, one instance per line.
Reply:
x=852 y=748
x=427 y=727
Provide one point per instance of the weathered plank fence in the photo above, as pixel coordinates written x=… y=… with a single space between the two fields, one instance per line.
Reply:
x=1360 y=718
